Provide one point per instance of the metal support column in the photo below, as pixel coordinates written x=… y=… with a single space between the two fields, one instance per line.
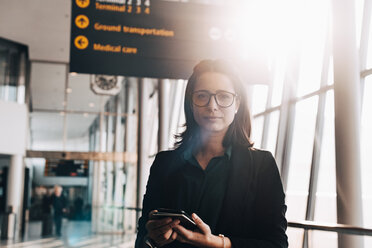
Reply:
x=347 y=120
x=163 y=133
x=366 y=25
x=142 y=170
x=130 y=145
x=15 y=191
x=287 y=115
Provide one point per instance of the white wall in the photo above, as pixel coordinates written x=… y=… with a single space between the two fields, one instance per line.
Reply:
x=43 y=25
x=13 y=128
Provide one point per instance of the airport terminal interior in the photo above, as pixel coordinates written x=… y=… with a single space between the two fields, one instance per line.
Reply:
x=92 y=90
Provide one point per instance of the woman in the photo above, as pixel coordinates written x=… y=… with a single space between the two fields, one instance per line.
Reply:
x=233 y=191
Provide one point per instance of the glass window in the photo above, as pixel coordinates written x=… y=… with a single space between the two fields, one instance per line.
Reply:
x=300 y=158
x=369 y=49
x=12 y=76
x=313 y=42
x=177 y=115
x=322 y=239
x=3 y=65
x=272 y=131
x=330 y=80
x=259 y=98
x=278 y=83
x=257 y=128
x=295 y=237
x=326 y=198
x=359 y=6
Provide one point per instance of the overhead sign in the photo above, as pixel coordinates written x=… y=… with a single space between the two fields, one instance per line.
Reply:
x=148 y=38
x=66 y=168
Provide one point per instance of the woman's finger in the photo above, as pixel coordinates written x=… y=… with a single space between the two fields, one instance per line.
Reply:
x=167 y=237
x=151 y=213
x=174 y=236
x=183 y=234
x=162 y=238
x=165 y=228
x=204 y=228
x=154 y=224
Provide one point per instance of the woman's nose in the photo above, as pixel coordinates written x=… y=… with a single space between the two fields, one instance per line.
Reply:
x=213 y=103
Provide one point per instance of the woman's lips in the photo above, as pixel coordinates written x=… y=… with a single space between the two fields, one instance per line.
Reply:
x=212 y=117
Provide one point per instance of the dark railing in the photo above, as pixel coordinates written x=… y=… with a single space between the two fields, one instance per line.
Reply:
x=339 y=228
x=313 y=225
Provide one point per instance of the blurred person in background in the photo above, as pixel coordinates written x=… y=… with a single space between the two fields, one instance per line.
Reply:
x=59 y=206
x=47 y=218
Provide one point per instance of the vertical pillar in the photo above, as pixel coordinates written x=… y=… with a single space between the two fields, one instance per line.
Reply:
x=15 y=190
x=130 y=143
x=98 y=176
x=118 y=170
x=287 y=115
x=142 y=170
x=163 y=133
x=95 y=196
x=347 y=120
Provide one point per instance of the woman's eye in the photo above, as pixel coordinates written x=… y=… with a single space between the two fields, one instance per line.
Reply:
x=202 y=96
x=224 y=96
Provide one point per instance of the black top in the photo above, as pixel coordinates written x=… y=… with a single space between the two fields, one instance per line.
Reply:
x=253 y=208
x=46 y=204
x=59 y=203
x=202 y=191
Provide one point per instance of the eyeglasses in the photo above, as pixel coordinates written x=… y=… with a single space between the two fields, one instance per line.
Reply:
x=223 y=99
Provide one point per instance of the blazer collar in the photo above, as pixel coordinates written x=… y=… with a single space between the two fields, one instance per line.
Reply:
x=237 y=188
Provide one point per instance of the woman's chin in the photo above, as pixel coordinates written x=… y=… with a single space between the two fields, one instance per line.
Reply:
x=214 y=129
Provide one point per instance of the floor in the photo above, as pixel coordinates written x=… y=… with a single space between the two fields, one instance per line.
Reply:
x=74 y=234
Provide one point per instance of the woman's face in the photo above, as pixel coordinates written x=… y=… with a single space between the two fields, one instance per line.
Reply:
x=213 y=118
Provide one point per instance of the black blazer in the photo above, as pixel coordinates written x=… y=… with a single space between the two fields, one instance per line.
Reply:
x=253 y=210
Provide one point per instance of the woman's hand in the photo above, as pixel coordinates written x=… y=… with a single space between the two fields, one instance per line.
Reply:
x=202 y=237
x=161 y=230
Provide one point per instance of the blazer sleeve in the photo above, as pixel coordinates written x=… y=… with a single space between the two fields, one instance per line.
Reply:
x=269 y=209
x=151 y=199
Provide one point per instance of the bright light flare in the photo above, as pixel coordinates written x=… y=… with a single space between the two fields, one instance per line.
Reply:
x=274 y=28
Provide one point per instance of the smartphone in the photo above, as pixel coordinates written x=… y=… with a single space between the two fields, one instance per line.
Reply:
x=185 y=219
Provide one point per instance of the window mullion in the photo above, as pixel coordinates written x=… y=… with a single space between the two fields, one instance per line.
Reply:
x=286 y=119
x=266 y=123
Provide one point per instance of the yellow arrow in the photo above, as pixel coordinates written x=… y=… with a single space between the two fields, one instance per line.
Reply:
x=81 y=42
x=82 y=21
x=82 y=3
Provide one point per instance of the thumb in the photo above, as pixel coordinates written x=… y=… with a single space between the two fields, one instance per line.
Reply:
x=200 y=224
x=152 y=212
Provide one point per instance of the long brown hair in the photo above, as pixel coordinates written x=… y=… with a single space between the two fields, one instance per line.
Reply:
x=239 y=130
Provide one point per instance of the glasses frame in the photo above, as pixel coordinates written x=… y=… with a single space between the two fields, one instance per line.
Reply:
x=215 y=98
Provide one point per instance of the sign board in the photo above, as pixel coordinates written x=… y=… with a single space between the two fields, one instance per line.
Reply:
x=156 y=39
x=66 y=168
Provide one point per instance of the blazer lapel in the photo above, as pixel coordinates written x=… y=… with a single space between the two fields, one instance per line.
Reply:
x=239 y=192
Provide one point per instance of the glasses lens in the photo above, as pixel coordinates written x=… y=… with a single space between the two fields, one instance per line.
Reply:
x=224 y=99
x=201 y=98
